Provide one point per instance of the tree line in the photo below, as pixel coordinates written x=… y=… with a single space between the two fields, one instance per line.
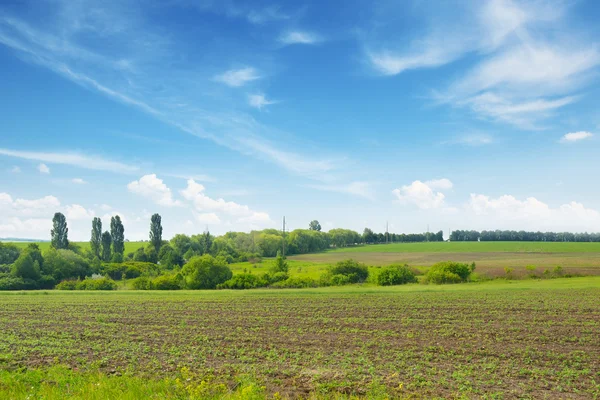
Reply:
x=522 y=236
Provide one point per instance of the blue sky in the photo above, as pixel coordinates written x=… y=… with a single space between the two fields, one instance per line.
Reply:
x=466 y=115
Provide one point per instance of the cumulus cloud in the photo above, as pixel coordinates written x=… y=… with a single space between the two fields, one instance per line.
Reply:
x=423 y=194
x=575 y=136
x=207 y=218
x=43 y=168
x=238 y=77
x=150 y=186
x=76 y=211
x=509 y=212
x=194 y=192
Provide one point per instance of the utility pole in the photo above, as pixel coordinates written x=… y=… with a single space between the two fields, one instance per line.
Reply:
x=387 y=234
x=283 y=237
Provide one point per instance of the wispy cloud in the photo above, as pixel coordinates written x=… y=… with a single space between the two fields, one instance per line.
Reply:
x=78 y=181
x=15 y=170
x=238 y=77
x=74 y=159
x=576 y=136
x=471 y=139
x=136 y=78
x=259 y=100
x=299 y=37
x=358 y=188
x=527 y=69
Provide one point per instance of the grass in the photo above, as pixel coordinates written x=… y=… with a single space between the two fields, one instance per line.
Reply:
x=498 y=339
x=475 y=247
x=130 y=247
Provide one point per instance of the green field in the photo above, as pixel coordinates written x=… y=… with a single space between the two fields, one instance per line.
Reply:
x=491 y=257
x=130 y=247
x=475 y=247
x=500 y=339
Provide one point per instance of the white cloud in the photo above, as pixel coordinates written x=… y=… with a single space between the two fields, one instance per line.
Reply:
x=73 y=159
x=259 y=101
x=23 y=207
x=204 y=204
x=78 y=181
x=43 y=168
x=575 y=136
x=77 y=212
x=153 y=188
x=530 y=65
x=508 y=212
x=238 y=77
x=207 y=218
x=299 y=37
x=422 y=195
x=15 y=170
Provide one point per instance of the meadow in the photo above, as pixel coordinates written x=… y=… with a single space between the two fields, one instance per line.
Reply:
x=497 y=339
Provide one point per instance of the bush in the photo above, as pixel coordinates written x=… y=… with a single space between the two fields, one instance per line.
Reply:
x=355 y=271
x=141 y=283
x=96 y=284
x=24 y=267
x=65 y=264
x=167 y=282
x=243 y=281
x=205 y=272
x=449 y=272
x=396 y=275
x=9 y=282
x=67 y=285
x=46 y=282
x=296 y=282
x=129 y=270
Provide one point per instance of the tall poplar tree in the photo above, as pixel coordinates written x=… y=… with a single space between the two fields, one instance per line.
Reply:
x=59 y=232
x=96 y=239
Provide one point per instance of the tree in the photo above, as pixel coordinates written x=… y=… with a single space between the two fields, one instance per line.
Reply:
x=205 y=272
x=59 y=232
x=280 y=264
x=106 y=243
x=65 y=264
x=26 y=268
x=96 y=239
x=314 y=225
x=117 y=232
x=156 y=232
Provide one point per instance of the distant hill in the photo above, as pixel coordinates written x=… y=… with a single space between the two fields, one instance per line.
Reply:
x=21 y=240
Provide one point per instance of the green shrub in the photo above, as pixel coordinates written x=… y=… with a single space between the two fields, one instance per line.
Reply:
x=396 y=275
x=296 y=282
x=243 y=281
x=141 y=283
x=205 y=272
x=65 y=264
x=355 y=271
x=46 y=282
x=10 y=282
x=167 y=282
x=24 y=267
x=67 y=285
x=449 y=272
x=88 y=284
x=129 y=270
